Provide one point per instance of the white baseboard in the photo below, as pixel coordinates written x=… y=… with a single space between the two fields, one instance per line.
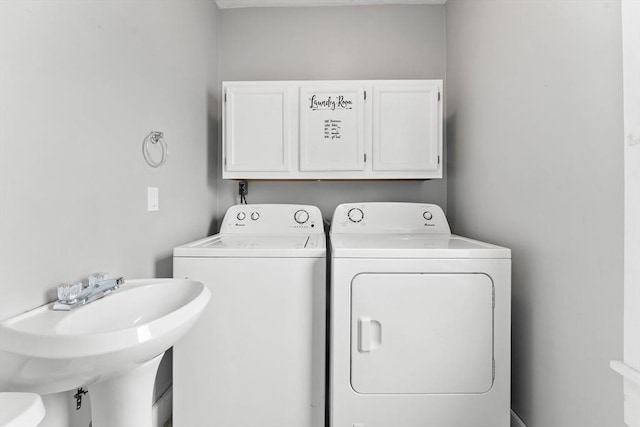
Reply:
x=516 y=421
x=162 y=409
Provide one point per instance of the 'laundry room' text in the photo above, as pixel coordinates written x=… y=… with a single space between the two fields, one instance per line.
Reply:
x=330 y=103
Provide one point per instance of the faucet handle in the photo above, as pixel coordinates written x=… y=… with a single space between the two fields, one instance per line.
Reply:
x=69 y=291
x=97 y=277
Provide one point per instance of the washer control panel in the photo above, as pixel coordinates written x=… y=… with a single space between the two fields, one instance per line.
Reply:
x=272 y=219
x=379 y=218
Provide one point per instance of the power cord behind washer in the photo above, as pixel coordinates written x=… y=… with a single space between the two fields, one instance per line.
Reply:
x=243 y=190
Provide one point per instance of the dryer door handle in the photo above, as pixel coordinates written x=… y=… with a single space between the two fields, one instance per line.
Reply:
x=369 y=334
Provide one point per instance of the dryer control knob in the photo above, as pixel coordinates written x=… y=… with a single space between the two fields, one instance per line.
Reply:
x=255 y=216
x=355 y=215
x=427 y=215
x=301 y=216
x=241 y=216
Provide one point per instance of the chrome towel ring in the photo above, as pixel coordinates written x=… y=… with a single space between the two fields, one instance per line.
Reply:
x=156 y=139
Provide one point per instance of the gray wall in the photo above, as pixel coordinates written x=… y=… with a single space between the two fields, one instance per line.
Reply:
x=342 y=43
x=535 y=163
x=82 y=84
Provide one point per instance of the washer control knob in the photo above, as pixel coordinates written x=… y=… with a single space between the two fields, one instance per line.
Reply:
x=241 y=216
x=427 y=215
x=301 y=216
x=255 y=216
x=355 y=215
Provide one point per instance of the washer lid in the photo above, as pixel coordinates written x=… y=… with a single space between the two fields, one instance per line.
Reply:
x=412 y=246
x=255 y=246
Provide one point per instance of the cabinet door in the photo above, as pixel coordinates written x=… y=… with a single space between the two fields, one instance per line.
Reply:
x=332 y=128
x=258 y=128
x=407 y=126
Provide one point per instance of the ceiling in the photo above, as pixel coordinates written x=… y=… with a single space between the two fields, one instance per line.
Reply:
x=230 y=4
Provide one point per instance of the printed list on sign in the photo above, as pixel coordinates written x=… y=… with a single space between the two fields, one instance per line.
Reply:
x=332 y=129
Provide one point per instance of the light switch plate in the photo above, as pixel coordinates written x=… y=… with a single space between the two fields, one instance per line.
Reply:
x=153 y=201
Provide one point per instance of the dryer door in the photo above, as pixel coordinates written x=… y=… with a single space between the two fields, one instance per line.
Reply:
x=422 y=333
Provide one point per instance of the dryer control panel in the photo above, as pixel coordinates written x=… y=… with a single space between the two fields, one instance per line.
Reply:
x=272 y=219
x=382 y=218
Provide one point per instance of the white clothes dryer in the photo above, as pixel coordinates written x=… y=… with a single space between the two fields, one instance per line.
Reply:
x=420 y=321
x=257 y=356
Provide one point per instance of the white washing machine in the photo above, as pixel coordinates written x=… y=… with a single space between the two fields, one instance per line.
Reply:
x=257 y=356
x=420 y=321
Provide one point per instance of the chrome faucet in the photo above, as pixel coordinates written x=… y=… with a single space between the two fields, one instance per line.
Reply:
x=75 y=295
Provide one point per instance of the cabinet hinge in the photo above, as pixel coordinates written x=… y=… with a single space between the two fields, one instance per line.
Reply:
x=225 y=97
x=438 y=96
x=438 y=159
x=365 y=157
x=365 y=95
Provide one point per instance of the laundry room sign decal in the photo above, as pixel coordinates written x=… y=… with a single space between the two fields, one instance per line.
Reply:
x=330 y=103
x=331 y=129
x=331 y=110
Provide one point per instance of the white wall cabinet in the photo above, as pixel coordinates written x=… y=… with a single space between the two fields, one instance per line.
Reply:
x=361 y=129
x=406 y=127
x=258 y=128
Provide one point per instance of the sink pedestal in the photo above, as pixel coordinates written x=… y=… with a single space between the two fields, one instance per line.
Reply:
x=125 y=400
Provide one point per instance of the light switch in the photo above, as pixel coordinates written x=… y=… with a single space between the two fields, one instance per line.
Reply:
x=153 y=201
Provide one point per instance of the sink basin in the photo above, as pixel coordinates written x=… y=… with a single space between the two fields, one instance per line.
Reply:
x=47 y=351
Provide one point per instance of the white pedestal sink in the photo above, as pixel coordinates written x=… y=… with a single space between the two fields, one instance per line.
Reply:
x=113 y=346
